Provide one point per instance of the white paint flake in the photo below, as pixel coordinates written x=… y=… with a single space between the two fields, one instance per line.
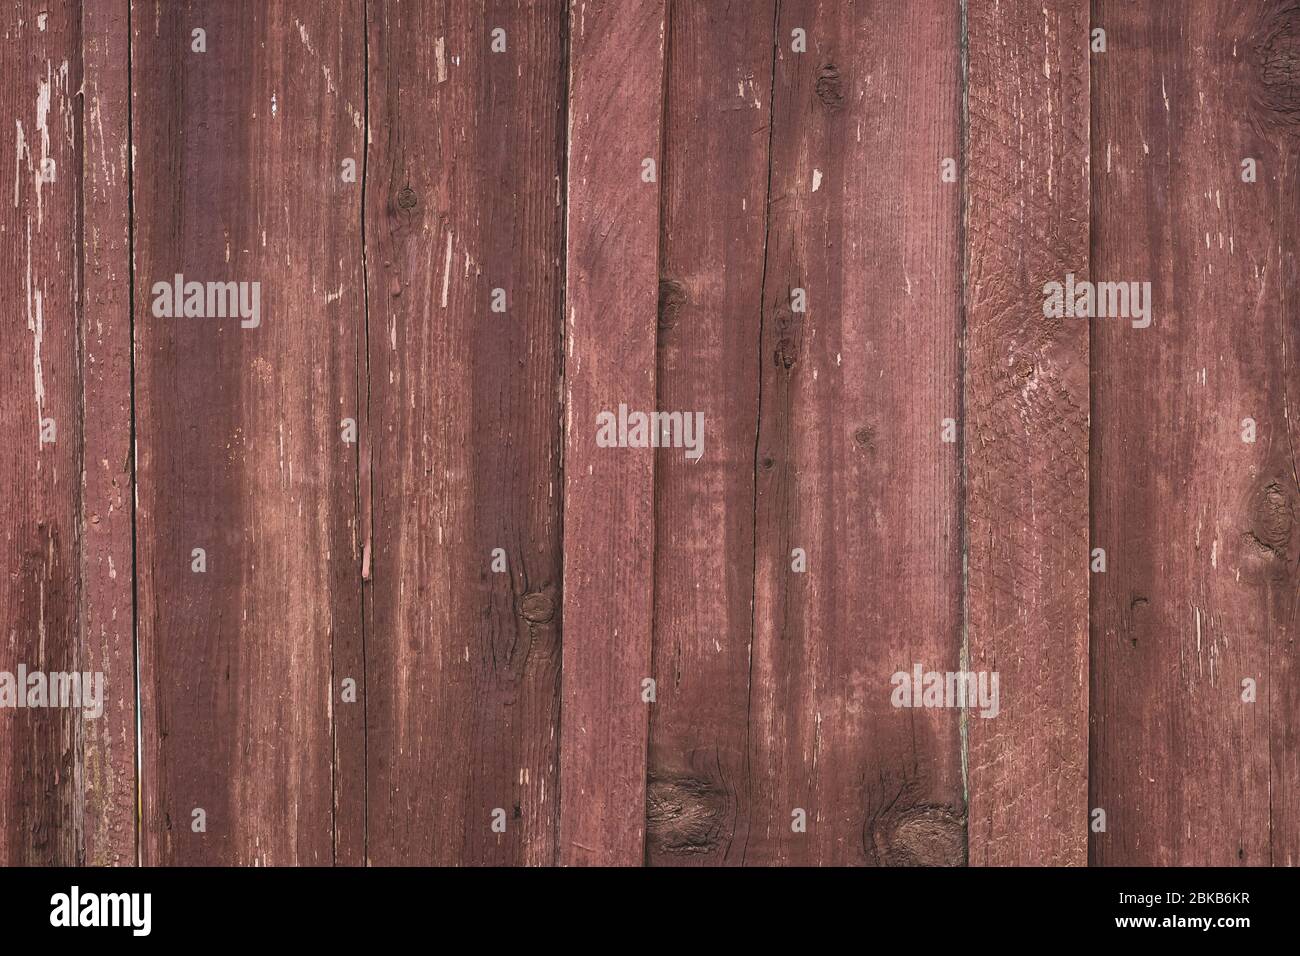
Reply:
x=18 y=161
x=35 y=325
x=302 y=35
x=43 y=126
x=446 y=272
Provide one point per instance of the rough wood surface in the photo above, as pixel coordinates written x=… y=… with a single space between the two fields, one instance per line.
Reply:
x=611 y=296
x=432 y=600
x=237 y=177
x=1026 y=429
x=40 y=394
x=107 y=569
x=717 y=107
x=850 y=463
x=463 y=198
x=1201 y=526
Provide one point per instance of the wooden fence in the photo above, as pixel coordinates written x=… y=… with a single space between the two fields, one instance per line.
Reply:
x=364 y=582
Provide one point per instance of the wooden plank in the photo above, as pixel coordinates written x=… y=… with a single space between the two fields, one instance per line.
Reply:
x=39 y=394
x=107 y=559
x=717 y=109
x=615 y=113
x=463 y=198
x=345 y=55
x=850 y=463
x=1200 y=526
x=238 y=178
x=1026 y=429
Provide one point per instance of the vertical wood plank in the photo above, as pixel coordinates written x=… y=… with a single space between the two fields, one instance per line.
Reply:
x=1026 y=429
x=850 y=463
x=40 y=394
x=615 y=113
x=717 y=110
x=1200 y=525
x=464 y=198
x=107 y=559
x=238 y=178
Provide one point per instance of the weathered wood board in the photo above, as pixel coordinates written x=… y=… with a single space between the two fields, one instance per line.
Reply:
x=370 y=580
x=717 y=109
x=107 y=628
x=40 y=412
x=859 y=368
x=248 y=553
x=1025 y=429
x=1195 y=756
x=611 y=301
x=464 y=250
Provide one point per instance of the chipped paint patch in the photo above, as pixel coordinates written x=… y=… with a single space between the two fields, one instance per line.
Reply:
x=43 y=127
x=446 y=272
x=35 y=325
x=303 y=36
x=22 y=152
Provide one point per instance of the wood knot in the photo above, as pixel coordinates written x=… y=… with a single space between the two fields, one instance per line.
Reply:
x=788 y=328
x=865 y=438
x=1022 y=374
x=829 y=87
x=922 y=835
x=684 y=815
x=537 y=607
x=406 y=198
x=1277 y=65
x=672 y=296
x=1272 y=522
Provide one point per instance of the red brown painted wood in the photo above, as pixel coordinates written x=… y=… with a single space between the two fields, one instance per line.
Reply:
x=107 y=560
x=1026 y=429
x=717 y=108
x=464 y=197
x=238 y=155
x=850 y=463
x=40 y=404
x=1200 y=526
x=612 y=271
x=330 y=561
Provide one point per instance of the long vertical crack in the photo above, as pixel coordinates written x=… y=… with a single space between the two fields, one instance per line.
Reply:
x=135 y=562
x=963 y=523
x=79 y=311
x=565 y=143
x=363 y=368
x=656 y=487
x=758 y=428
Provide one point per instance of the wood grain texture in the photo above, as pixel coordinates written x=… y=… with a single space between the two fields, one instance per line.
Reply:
x=612 y=271
x=237 y=177
x=850 y=463
x=1201 y=526
x=40 y=392
x=443 y=320
x=464 y=197
x=717 y=108
x=1026 y=429
x=107 y=569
